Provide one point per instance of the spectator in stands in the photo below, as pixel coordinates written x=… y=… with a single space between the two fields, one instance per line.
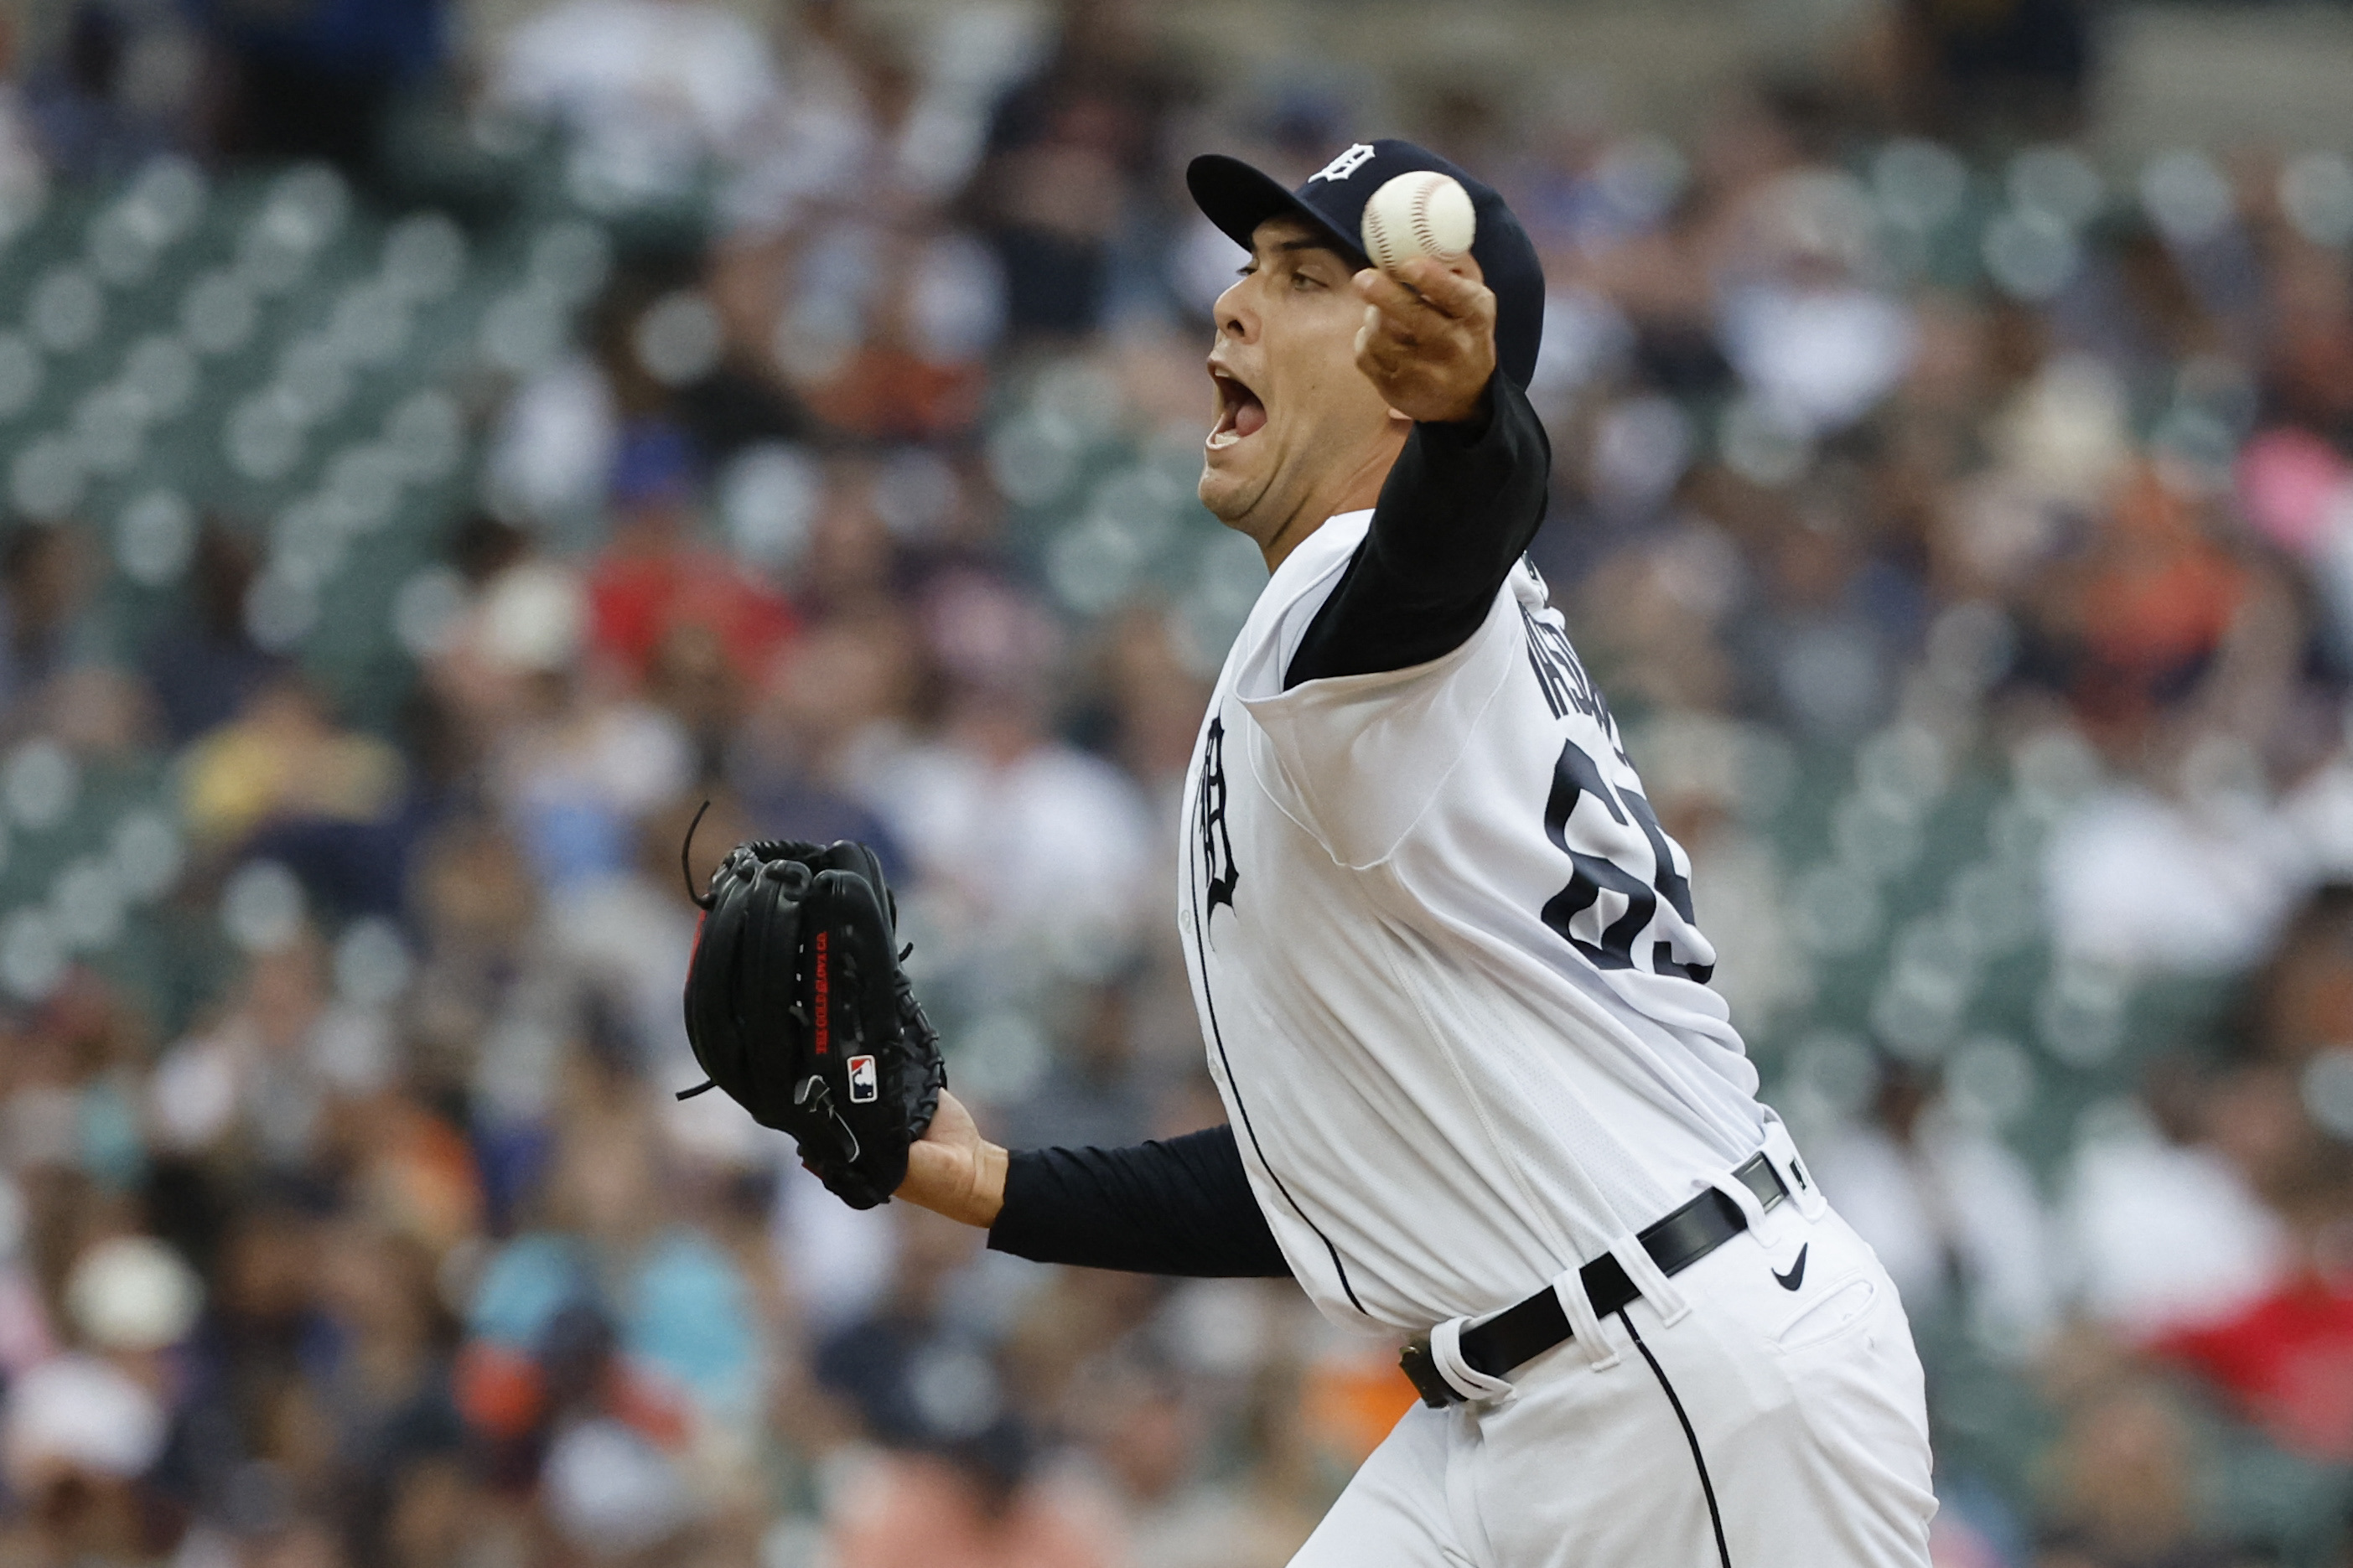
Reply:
x=523 y=624
x=1951 y=1211
x=2302 y=995
x=612 y=1299
x=976 y=1506
x=2186 y=660
x=491 y=1007
x=2016 y=69
x=118 y=90
x=659 y=591
x=584 y=762
x=24 y=171
x=69 y=1106
x=2138 y=619
x=614 y=1496
x=904 y=357
x=842 y=279
x=2126 y=1489
x=651 y=89
x=1025 y=843
x=262 y=1305
x=844 y=144
x=1100 y=1095
x=203 y=666
x=913 y=1370
x=853 y=564
x=79 y=1437
x=256 y=1085
x=283 y=781
x=282 y=759
x=44 y=582
x=1817 y=344
x=1067 y=152
x=1151 y=702
x=1832 y=617
x=964 y=1482
x=2281 y=1113
x=1655 y=612
x=1149 y=1438
x=321 y=80
x=2163 y=1216
x=624 y=941
x=831 y=714
x=395 y=1440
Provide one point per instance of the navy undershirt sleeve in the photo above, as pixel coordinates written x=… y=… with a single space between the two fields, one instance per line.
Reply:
x=1458 y=509
x=1180 y=1206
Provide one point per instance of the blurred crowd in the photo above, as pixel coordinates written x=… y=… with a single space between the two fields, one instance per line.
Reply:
x=1888 y=424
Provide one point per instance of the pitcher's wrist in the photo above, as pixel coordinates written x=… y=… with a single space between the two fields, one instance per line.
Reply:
x=988 y=1198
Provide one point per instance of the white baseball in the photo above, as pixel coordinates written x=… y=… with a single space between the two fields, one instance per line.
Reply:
x=1424 y=213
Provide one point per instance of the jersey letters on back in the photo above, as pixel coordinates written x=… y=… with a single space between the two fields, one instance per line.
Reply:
x=1449 y=974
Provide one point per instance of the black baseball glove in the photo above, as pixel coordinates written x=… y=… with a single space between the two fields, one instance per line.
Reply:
x=796 y=1007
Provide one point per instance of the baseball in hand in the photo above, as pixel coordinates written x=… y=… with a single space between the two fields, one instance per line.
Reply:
x=1424 y=213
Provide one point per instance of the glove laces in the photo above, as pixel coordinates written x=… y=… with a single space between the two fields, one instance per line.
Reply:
x=702 y=900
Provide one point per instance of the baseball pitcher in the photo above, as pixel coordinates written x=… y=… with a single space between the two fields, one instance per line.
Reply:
x=1452 y=984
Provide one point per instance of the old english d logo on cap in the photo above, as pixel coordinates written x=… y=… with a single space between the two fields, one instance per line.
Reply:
x=1346 y=164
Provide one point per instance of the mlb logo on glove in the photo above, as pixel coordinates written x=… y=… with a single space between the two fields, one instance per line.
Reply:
x=862 y=1085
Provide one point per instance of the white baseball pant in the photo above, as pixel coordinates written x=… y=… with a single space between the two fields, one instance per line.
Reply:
x=1762 y=1409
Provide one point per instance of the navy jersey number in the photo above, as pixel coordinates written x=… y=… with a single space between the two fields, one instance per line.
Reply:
x=1574 y=777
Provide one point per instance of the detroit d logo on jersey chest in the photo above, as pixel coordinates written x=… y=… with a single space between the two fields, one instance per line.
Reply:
x=1215 y=845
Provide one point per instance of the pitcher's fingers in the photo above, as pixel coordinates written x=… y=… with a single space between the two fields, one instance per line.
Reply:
x=1442 y=288
x=1381 y=357
x=1401 y=332
x=1386 y=295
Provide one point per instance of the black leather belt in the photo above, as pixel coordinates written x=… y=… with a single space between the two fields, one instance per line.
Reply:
x=1521 y=1332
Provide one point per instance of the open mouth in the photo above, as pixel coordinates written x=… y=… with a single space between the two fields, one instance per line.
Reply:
x=1240 y=415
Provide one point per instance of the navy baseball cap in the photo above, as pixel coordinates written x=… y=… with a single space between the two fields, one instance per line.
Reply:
x=1237 y=198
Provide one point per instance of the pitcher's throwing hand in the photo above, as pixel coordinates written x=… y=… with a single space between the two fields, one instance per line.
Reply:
x=1427 y=344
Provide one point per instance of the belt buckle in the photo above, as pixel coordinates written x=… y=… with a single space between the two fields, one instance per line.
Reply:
x=1428 y=1381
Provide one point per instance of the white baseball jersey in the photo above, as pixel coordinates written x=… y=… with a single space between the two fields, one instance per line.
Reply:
x=1449 y=977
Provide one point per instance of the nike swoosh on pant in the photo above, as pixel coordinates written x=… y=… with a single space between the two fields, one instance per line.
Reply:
x=1797 y=1274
